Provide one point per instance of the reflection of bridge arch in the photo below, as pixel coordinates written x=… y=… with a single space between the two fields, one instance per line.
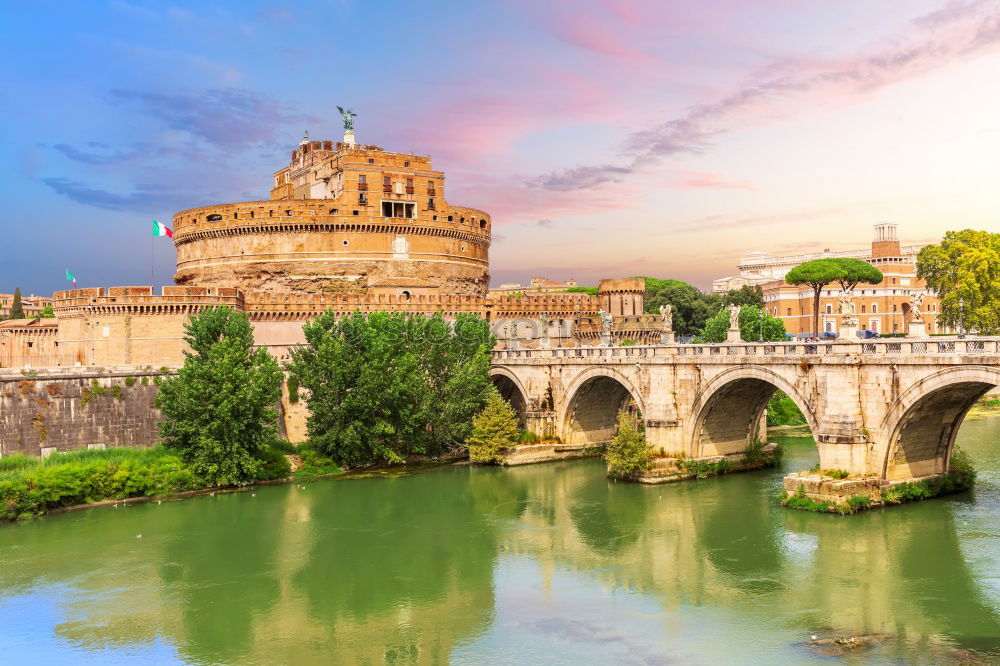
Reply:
x=727 y=409
x=593 y=400
x=920 y=427
x=511 y=389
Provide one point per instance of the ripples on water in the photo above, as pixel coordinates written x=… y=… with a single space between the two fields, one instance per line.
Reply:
x=547 y=563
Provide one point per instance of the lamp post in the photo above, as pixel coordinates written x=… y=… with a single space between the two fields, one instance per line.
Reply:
x=961 y=319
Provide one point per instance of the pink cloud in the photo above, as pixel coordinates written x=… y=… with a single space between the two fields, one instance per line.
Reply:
x=699 y=180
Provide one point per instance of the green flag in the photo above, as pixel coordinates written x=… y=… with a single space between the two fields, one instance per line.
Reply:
x=69 y=276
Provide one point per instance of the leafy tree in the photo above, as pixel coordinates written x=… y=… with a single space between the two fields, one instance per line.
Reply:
x=593 y=291
x=386 y=385
x=16 y=307
x=965 y=265
x=47 y=312
x=493 y=429
x=627 y=455
x=855 y=272
x=692 y=308
x=717 y=327
x=745 y=295
x=219 y=410
x=816 y=274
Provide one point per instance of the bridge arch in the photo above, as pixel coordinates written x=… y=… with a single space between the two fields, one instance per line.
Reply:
x=728 y=407
x=594 y=398
x=921 y=425
x=512 y=390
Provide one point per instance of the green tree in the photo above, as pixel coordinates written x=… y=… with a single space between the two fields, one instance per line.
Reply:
x=691 y=307
x=386 y=385
x=965 y=266
x=816 y=274
x=716 y=328
x=219 y=410
x=856 y=271
x=627 y=455
x=16 y=307
x=745 y=295
x=493 y=430
x=47 y=312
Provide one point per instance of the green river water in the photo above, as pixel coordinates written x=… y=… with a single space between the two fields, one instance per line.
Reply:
x=540 y=564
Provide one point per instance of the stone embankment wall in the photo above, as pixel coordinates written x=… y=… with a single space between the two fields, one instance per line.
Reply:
x=77 y=408
x=67 y=409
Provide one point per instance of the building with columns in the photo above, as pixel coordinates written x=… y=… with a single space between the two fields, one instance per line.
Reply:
x=887 y=307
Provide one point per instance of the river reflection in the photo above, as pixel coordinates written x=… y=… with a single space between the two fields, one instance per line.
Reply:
x=476 y=565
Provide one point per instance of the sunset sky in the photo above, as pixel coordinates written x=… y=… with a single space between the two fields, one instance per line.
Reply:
x=606 y=137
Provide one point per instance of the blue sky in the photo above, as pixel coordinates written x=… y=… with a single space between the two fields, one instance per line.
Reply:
x=606 y=137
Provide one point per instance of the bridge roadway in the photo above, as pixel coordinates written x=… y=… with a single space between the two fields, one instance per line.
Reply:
x=887 y=409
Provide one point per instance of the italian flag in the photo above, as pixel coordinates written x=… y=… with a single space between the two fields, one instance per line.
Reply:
x=160 y=229
x=70 y=277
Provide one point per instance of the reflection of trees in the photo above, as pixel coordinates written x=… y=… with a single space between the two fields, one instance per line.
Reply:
x=739 y=534
x=608 y=516
x=223 y=572
x=402 y=567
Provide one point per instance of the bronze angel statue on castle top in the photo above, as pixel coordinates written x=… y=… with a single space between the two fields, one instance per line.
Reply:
x=348 y=117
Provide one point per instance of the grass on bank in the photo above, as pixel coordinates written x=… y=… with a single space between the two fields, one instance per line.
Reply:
x=33 y=486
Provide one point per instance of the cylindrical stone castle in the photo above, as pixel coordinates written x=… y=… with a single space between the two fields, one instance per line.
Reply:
x=342 y=218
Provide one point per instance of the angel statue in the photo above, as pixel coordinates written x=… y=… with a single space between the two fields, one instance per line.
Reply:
x=734 y=317
x=916 y=302
x=846 y=303
x=348 y=117
x=667 y=315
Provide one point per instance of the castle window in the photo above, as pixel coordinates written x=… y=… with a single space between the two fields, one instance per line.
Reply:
x=362 y=198
x=236 y=216
x=829 y=309
x=402 y=209
x=406 y=164
x=251 y=214
x=386 y=184
x=450 y=218
x=288 y=213
x=863 y=308
x=435 y=218
x=345 y=243
x=874 y=308
x=362 y=182
x=355 y=212
x=215 y=217
x=371 y=160
x=430 y=204
x=482 y=224
x=789 y=312
x=333 y=211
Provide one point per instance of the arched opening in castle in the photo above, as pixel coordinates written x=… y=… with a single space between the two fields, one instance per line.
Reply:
x=348 y=227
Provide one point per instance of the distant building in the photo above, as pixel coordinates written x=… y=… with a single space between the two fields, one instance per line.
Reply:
x=32 y=305
x=884 y=308
x=759 y=267
x=538 y=285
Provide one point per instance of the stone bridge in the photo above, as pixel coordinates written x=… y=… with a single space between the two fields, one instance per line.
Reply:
x=883 y=409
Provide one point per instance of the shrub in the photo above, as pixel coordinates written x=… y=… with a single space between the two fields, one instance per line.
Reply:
x=282 y=445
x=493 y=430
x=836 y=473
x=754 y=453
x=130 y=381
x=274 y=465
x=627 y=455
x=30 y=486
x=314 y=463
x=293 y=388
x=144 y=381
x=858 y=502
x=117 y=392
x=527 y=437
x=702 y=469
